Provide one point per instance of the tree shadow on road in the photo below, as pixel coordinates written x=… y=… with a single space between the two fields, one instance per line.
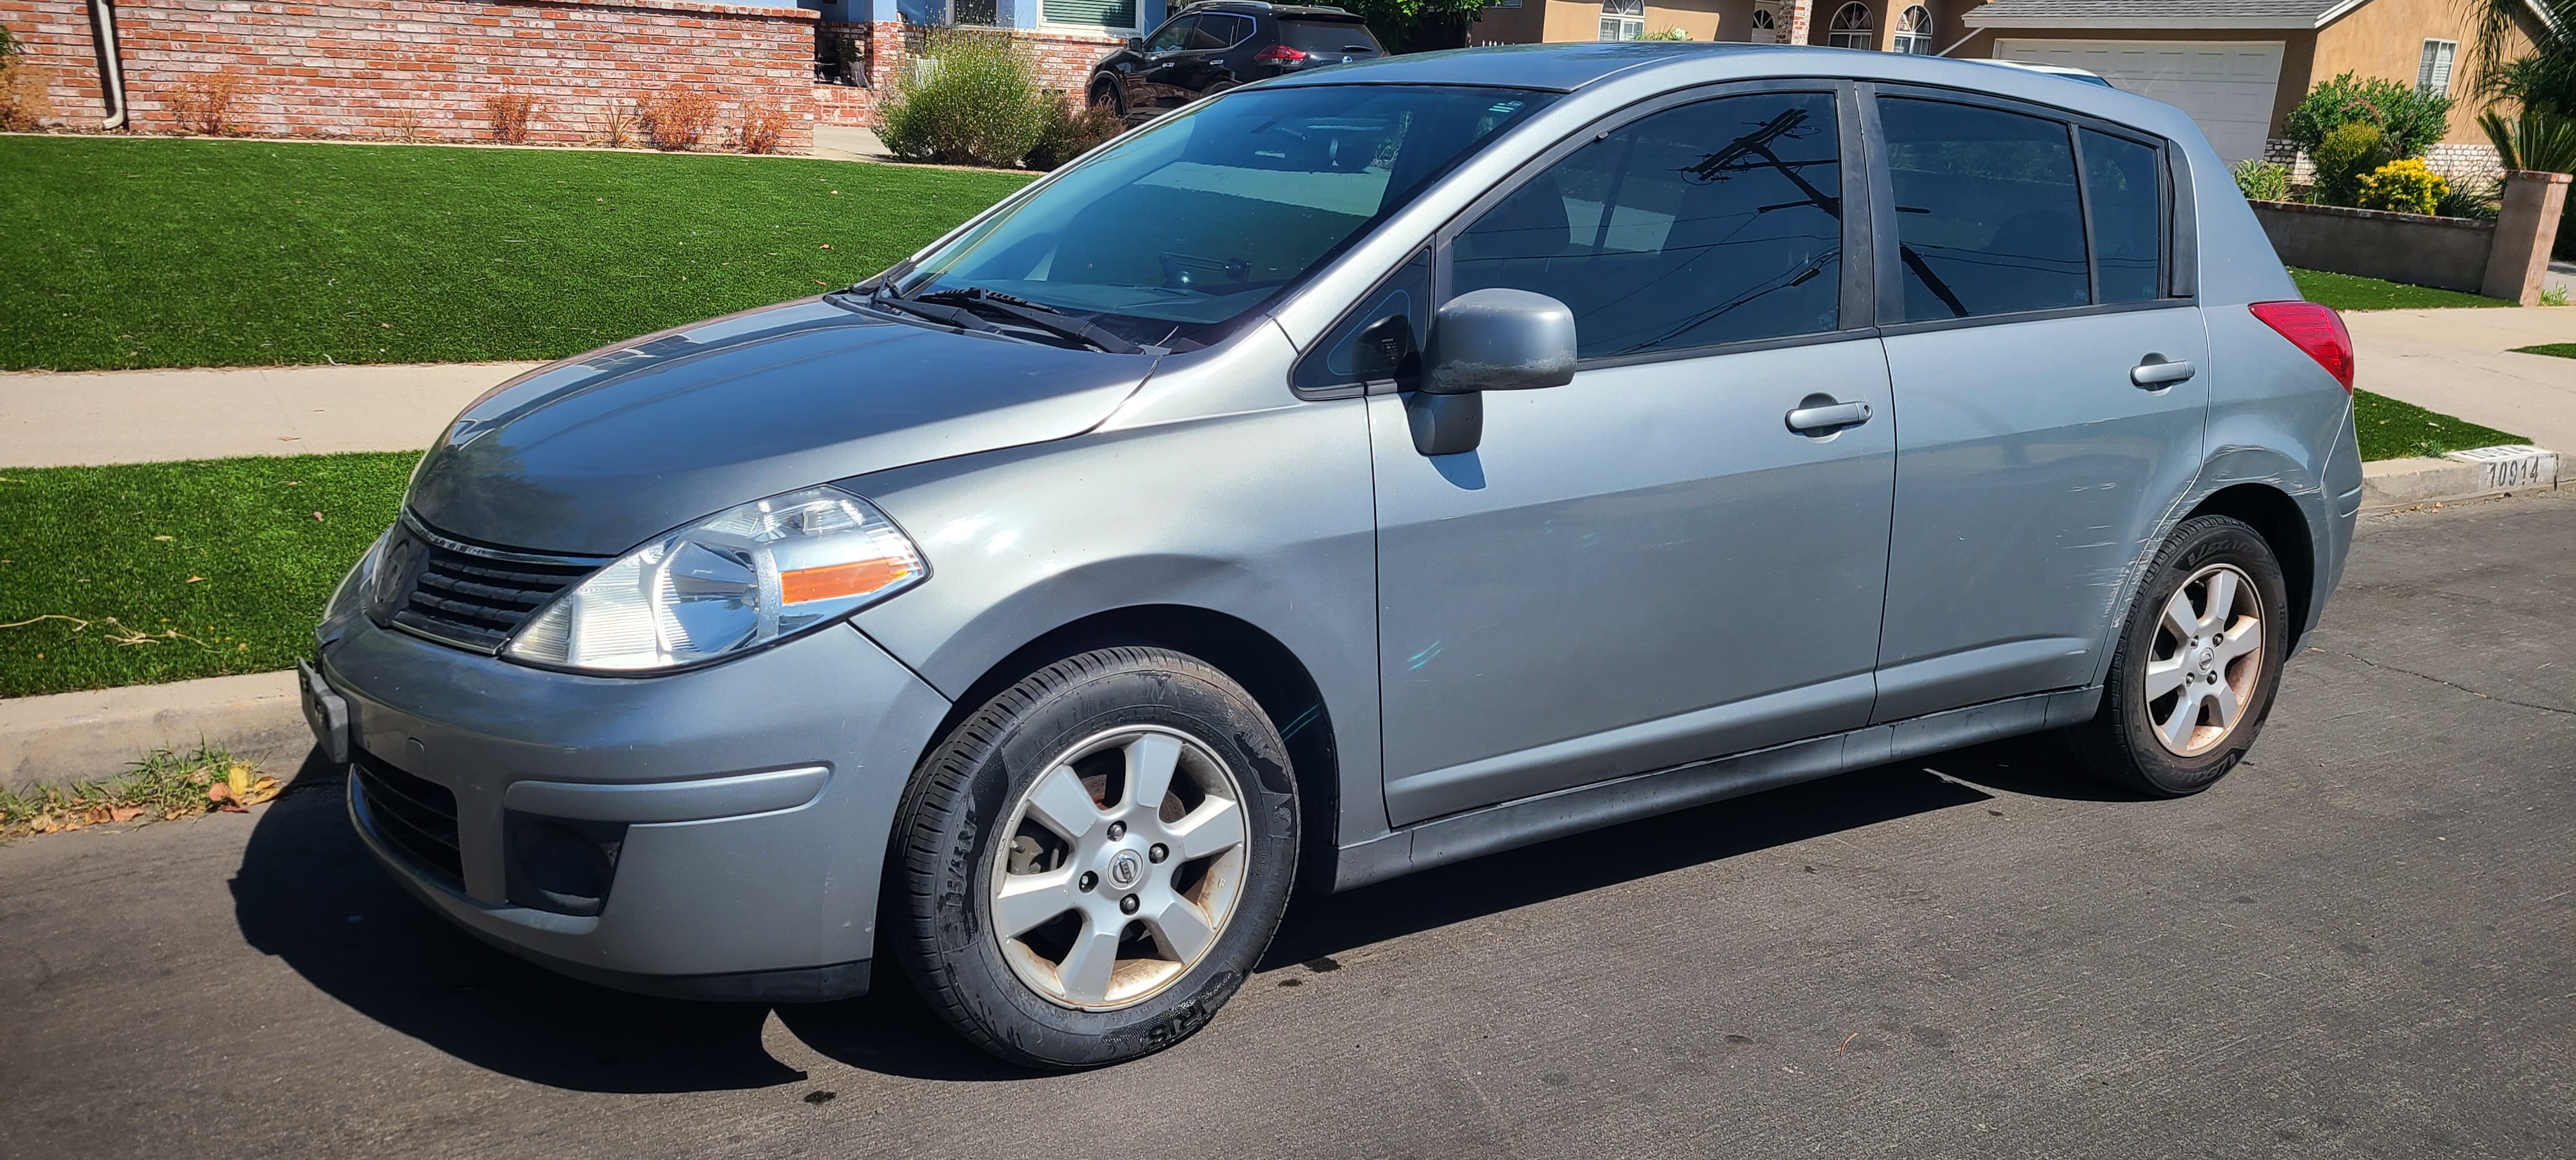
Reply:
x=309 y=893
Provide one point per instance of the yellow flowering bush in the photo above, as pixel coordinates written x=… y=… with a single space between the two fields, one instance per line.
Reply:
x=2404 y=187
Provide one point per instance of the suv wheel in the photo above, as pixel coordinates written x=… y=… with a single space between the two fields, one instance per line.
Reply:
x=1092 y=862
x=2197 y=664
x=1105 y=95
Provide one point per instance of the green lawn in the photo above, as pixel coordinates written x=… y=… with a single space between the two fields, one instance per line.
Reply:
x=166 y=253
x=2393 y=430
x=2352 y=292
x=2553 y=349
x=206 y=568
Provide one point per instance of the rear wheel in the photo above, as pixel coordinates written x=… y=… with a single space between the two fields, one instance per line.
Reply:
x=1095 y=859
x=2197 y=664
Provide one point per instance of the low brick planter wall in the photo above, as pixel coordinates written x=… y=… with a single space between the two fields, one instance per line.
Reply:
x=428 y=69
x=2450 y=253
x=1064 y=61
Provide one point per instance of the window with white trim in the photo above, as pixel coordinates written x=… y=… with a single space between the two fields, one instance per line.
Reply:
x=2433 y=74
x=1766 y=27
x=1914 y=32
x=1095 y=13
x=1851 y=28
x=1623 y=19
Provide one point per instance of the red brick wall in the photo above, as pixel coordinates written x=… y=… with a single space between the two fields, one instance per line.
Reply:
x=426 y=68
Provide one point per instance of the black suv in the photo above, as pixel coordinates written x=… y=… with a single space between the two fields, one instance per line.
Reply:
x=1209 y=48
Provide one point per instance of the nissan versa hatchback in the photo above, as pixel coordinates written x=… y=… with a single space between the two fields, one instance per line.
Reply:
x=1353 y=473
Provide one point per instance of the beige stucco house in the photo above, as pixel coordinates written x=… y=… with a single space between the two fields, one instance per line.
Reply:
x=2237 y=66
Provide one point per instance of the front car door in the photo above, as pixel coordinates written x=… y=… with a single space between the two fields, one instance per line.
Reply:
x=2049 y=400
x=1649 y=565
x=1147 y=82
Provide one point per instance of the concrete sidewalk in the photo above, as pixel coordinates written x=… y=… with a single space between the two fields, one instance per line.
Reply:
x=54 y=420
x=2461 y=362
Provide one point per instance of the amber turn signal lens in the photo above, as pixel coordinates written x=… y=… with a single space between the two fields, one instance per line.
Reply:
x=835 y=581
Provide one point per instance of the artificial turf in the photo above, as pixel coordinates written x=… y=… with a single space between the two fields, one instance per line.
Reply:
x=2552 y=349
x=2393 y=430
x=202 y=568
x=180 y=253
x=2353 y=292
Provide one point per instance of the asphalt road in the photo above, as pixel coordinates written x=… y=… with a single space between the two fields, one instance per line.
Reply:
x=2362 y=943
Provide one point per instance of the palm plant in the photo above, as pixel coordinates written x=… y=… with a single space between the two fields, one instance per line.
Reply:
x=2544 y=78
x=2538 y=140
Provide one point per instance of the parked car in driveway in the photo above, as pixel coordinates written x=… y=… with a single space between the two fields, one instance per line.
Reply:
x=1209 y=48
x=1351 y=474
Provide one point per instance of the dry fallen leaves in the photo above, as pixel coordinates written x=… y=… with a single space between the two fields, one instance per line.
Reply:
x=317 y=517
x=241 y=788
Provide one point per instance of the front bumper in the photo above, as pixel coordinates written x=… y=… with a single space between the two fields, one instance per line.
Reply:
x=753 y=798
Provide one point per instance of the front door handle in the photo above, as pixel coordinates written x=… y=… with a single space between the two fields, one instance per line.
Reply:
x=1822 y=413
x=2157 y=372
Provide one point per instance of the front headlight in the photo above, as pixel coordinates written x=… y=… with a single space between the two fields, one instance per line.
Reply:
x=743 y=578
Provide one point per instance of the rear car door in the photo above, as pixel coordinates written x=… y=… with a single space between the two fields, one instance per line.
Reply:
x=2049 y=396
x=1649 y=565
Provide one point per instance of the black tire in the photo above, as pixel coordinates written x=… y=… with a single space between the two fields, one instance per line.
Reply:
x=1105 y=94
x=2120 y=744
x=939 y=908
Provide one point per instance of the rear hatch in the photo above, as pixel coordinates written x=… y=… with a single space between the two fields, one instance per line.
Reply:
x=1327 y=41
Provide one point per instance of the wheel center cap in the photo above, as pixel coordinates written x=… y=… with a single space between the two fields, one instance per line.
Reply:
x=2202 y=657
x=1126 y=869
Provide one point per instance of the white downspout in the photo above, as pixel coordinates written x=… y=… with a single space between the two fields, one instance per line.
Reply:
x=102 y=23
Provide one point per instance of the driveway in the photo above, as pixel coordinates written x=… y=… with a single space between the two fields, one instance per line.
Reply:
x=2461 y=362
x=2363 y=943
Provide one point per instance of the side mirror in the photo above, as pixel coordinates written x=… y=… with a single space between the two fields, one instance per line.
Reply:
x=1135 y=44
x=1486 y=340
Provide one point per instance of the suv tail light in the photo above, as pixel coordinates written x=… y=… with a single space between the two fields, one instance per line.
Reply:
x=2318 y=330
x=1279 y=54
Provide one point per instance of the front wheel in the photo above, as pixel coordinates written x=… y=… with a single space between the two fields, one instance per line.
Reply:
x=1094 y=860
x=1105 y=95
x=2197 y=665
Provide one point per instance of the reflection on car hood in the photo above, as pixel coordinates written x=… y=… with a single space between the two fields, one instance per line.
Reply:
x=597 y=454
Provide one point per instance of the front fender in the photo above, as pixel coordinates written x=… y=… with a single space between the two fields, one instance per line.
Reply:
x=1265 y=516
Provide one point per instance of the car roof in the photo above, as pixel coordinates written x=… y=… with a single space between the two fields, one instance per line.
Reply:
x=1562 y=67
x=1249 y=7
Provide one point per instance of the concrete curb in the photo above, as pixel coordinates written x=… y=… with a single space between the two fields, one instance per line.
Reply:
x=2388 y=484
x=95 y=735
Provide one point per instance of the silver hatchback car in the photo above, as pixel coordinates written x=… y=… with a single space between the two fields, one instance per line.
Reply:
x=1346 y=475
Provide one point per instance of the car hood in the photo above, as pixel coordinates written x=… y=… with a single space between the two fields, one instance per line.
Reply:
x=598 y=454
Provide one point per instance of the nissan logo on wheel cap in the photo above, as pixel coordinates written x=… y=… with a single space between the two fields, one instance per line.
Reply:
x=1124 y=869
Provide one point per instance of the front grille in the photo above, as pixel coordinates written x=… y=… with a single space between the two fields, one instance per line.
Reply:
x=415 y=816
x=466 y=594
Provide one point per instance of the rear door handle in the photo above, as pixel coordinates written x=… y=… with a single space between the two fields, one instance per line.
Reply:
x=1821 y=413
x=2158 y=372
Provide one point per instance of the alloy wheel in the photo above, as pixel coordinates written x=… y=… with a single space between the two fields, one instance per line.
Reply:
x=2208 y=658
x=1121 y=865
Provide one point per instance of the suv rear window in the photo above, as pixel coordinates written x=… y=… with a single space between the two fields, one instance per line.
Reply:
x=1327 y=37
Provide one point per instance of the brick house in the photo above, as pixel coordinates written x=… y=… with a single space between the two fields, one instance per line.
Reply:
x=2237 y=66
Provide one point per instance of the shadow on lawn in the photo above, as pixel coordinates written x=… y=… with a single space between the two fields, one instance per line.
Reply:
x=308 y=893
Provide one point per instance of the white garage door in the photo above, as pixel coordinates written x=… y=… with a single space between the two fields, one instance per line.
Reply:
x=2226 y=86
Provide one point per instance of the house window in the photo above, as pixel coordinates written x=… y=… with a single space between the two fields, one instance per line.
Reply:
x=1851 y=28
x=1766 y=28
x=1623 y=19
x=1914 y=32
x=1096 y=13
x=2433 y=75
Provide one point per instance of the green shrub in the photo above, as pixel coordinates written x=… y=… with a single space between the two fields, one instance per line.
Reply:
x=2262 y=180
x=2402 y=187
x=2342 y=158
x=2469 y=199
x=1072 y=128
x=1666 y=34
x=2408 y=121
x=974 y=101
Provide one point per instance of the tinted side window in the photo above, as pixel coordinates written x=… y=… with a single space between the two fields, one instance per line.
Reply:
x=1217 y=31
x=2124 y=192
x=1327 y=38
x=1405 y=294
x=1175 y=35
x=1719 y=221
x=1987 y=216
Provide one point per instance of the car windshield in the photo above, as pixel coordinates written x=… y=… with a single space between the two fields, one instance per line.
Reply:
x=1327 y=37
x=1178 y=233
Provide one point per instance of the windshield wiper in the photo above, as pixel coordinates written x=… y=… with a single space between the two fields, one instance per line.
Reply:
x=962 y=319
x=1022 y=310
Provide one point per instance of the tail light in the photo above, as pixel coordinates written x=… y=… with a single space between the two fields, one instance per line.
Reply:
x=1279 y=54
x=2318 y=330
